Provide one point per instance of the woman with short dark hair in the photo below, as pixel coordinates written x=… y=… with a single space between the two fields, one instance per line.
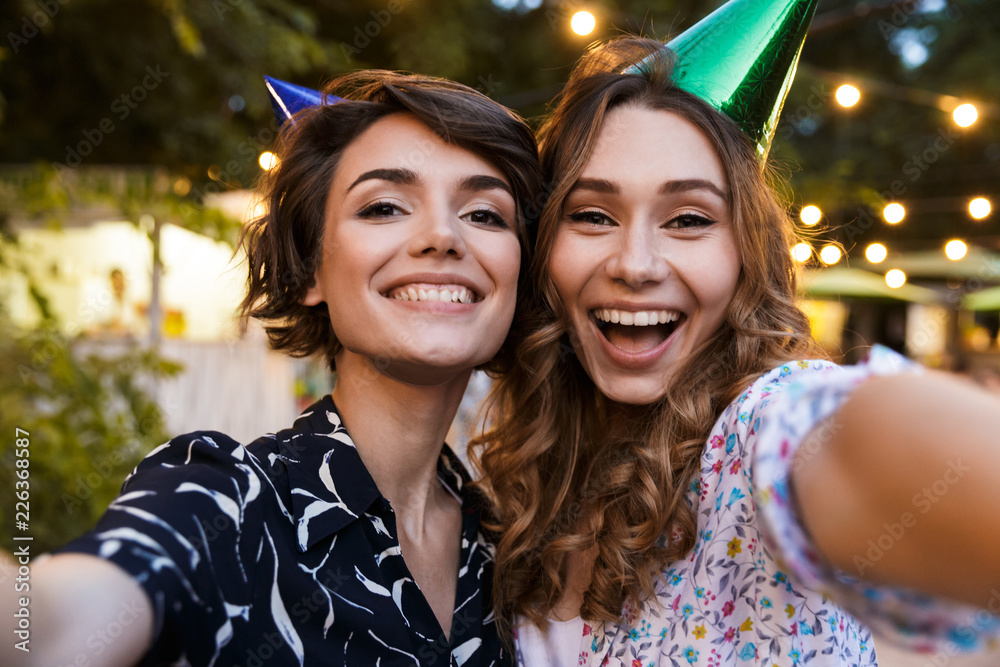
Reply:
x=392 y=244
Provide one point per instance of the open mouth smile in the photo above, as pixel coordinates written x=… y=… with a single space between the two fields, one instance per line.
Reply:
x=636 y=332
x=449 y=293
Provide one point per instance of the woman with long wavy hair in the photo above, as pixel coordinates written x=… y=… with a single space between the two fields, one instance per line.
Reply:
x=680 y=476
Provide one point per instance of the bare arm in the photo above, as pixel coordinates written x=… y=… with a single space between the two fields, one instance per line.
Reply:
x=83 y=610
x=905 y=489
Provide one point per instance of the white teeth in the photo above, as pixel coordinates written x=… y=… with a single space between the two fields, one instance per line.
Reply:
x=461 y=295
x=643 y=318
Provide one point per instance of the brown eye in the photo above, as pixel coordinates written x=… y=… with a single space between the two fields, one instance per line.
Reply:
x=487 y=218
x=380 y=209
x=591 y=217
x=688 y=221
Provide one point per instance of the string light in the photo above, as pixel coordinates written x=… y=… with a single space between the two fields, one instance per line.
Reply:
x=802 y=252
x=955 y=249
x=895 y=278
x=810 y=215
x=268 y=160
x=893 y=213
x=979 y=208
x=583 y=23
x=965 y=115
x=876 y=252
x=847 y=95
x=830 y=254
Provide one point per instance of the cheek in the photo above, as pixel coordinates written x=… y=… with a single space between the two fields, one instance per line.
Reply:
x=719 y=291
x=564 y=270
x=502 y=259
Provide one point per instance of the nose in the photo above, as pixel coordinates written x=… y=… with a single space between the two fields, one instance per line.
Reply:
x=439 y=232
x=638 y=259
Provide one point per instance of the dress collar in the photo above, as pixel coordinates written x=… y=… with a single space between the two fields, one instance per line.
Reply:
x=329 y=483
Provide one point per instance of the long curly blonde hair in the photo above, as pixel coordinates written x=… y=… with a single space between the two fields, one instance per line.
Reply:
x=562 y=480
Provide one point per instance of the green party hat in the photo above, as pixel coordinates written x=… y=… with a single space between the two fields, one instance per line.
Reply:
x=741 y=59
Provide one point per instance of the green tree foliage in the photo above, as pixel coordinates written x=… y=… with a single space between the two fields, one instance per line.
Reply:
x=89 y=417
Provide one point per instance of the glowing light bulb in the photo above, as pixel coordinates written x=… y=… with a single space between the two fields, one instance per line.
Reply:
x=802 y=252
x=830 y=254
x=583 y=23
x=268 y=160
x=965 y=115
x=876 y=252
x=893 y=213
x=979 y=208
x=895 y=278
x=847 y=95
x=955 y=249
x=810 y=215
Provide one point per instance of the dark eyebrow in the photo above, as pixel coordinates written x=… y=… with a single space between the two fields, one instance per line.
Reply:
x=692 y=184
x=685 y=185
x=482 y=182
x=597 y=185
x=401 y=176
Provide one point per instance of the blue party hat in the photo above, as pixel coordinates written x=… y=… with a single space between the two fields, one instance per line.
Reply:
x=288 y=98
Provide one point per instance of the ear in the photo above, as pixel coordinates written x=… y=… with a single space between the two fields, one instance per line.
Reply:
x=314 y=295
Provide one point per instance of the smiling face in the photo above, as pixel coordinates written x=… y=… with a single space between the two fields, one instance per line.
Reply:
x=644 y=259
x=420 y=258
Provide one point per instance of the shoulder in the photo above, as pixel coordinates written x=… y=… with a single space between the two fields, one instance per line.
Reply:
x=199 y=456
x=772 y=383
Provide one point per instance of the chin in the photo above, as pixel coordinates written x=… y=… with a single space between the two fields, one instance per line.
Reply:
x=632 y=391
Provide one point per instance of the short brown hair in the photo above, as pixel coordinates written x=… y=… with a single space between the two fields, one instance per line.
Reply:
x=283 y=246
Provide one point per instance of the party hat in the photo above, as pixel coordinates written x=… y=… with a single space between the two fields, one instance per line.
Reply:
x=287 y=98
x=741 y=59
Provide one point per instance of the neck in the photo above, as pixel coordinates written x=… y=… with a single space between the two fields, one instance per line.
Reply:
x=398 y=428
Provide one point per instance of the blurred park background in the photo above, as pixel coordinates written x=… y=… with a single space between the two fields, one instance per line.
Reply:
x=131 y=136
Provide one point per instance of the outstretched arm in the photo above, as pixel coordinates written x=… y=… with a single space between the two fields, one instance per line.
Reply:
x=83 y=611
x=904 y=487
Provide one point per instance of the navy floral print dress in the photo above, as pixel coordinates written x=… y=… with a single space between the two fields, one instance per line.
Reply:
x=284 y=553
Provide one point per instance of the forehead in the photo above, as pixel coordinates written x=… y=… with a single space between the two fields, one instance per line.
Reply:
x=643 y=145
x=402 y=141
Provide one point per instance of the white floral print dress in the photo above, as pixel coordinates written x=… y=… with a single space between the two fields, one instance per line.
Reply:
x=753 y=591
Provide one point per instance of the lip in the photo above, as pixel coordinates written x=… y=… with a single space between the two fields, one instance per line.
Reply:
x=435 y=279
x=634 y=360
